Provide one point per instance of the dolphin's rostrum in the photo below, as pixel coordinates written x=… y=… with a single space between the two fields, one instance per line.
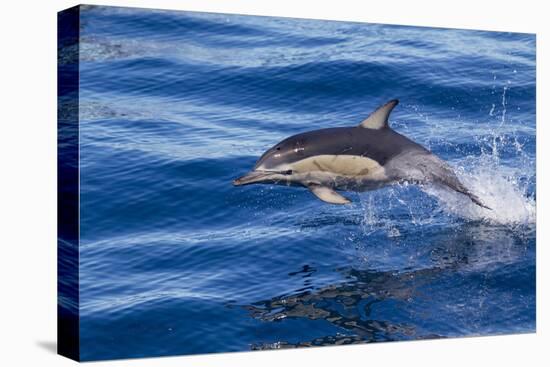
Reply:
x=358 y=158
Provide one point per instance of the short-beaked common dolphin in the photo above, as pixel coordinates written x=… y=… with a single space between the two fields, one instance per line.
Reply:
x=359 y=158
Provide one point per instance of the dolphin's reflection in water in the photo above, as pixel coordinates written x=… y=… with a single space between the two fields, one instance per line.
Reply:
x=349 y=304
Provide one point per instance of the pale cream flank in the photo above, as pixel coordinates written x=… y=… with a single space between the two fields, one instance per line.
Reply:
x=341 y=165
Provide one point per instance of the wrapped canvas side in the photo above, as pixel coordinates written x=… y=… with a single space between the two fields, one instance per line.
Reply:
x=68 y=184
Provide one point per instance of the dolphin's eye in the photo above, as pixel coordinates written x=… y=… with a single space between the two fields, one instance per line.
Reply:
x=278 y=148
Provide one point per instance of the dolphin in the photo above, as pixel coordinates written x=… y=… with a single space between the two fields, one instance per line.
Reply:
x=357 y=158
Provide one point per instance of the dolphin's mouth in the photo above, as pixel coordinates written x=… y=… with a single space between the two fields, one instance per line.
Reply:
x=259 y=176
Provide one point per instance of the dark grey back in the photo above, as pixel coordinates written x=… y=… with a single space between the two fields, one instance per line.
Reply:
x=380 y=145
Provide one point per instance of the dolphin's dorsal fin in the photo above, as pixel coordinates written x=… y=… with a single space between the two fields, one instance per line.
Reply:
x=379 y=118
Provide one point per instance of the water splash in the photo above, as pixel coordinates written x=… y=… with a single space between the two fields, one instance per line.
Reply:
x=500 y=187
x=510 y=203
x=502 y=183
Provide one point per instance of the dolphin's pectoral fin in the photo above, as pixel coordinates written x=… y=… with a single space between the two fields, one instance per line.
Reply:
x=327 y=194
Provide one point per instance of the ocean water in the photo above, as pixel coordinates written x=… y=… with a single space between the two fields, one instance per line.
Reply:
x=175 y=260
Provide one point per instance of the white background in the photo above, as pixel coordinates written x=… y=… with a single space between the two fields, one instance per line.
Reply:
x=28 y=182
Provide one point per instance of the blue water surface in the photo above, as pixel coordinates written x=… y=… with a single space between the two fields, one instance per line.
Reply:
x=175 y=260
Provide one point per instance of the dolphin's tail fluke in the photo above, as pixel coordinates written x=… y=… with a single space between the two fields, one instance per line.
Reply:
x=461 y=189
x=446 y=177
x=476 y=200
x=425 y=167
